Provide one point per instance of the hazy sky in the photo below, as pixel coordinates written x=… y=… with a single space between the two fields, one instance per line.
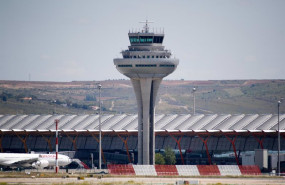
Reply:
x=69 y=40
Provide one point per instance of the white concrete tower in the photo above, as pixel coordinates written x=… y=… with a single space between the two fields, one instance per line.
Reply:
x=146 y=62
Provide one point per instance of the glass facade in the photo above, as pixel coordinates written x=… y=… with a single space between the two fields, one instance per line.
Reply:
x=157 y=39
x=134 y=40
x=146 y=39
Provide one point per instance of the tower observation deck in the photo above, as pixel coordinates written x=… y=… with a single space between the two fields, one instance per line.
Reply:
x=146 y=62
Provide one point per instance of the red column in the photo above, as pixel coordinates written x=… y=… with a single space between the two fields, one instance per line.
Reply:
x=48 y=140
x=125 y=141
x=24 y=140
x=93 y=135
x=259 y=140
x=179 y=146
x=72 y=140
x=205 y=143
x=232 y=141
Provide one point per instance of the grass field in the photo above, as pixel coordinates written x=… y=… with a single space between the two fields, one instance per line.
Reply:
x=89 y=179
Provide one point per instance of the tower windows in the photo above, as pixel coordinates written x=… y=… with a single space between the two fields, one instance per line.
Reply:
x=134 y=39
x=146 y=39
x=145 y=65
x=125 y=65
x=158 y=39
x=166 y=65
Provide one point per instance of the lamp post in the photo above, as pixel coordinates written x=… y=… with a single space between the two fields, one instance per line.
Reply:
x=99 y=88
x=56 y=145
x=278 y=165
x=193 y=91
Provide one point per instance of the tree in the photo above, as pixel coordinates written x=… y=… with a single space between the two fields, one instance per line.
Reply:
x=90 y=97
x=4 y=98
x=169 y=156
x=159 y=159
x=68 y=102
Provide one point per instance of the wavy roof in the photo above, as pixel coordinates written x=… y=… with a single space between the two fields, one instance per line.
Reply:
x=126 y=122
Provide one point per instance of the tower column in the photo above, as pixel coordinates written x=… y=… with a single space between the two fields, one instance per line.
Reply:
x=137 y=89
x=146 y=84
x=146 y=91
x=154 y=90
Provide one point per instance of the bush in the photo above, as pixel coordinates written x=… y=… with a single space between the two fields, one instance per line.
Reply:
x=4 y=98
x=90 y=97
x=169 y=156
x=159 y=159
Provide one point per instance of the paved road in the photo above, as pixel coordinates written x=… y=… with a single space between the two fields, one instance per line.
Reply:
x=243 y=181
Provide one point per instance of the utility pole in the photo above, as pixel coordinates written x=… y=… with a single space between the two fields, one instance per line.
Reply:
x=56 y=145
x=193 y=91
x=278 y=165
x=100 y=141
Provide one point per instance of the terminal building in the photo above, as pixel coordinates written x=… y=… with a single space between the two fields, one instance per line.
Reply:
x=196 y=139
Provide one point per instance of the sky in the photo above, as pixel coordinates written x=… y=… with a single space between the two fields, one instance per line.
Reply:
x=71 y=40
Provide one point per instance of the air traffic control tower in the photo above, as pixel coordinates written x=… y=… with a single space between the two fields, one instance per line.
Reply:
x=146 y=62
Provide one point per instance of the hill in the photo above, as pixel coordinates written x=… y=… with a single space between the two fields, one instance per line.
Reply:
x=174 y=96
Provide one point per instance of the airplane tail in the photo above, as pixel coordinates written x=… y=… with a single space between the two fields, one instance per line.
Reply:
x=81 y=164
x=84 y=165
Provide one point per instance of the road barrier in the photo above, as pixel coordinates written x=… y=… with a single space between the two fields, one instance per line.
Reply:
x=182 y=170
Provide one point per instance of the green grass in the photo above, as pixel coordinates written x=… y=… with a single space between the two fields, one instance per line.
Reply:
x=234 y=91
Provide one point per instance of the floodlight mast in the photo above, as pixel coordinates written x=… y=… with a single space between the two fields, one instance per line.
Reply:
x=146 y=63
x=99 y=86
x=194 y=103
x=278 y=163
x=56 y=145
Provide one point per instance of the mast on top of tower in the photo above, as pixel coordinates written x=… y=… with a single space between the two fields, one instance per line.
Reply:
x=146 y=28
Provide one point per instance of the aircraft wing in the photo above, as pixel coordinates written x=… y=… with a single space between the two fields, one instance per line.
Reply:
x=20 y=162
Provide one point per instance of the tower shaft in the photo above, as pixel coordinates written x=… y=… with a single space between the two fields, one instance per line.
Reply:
x=146 y=91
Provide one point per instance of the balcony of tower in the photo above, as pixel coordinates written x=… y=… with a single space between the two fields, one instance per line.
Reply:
x=146 y=54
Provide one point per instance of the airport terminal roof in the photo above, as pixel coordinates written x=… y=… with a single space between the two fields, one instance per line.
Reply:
x=129 y=122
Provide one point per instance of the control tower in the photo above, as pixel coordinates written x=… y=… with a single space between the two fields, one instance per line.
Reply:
x=146 y=62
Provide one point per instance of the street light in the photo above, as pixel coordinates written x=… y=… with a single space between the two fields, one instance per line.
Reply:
x=99 y=86
x=193 y=91
x=278 y=167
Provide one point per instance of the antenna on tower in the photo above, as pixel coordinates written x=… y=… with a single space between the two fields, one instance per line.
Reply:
x=146 y=28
